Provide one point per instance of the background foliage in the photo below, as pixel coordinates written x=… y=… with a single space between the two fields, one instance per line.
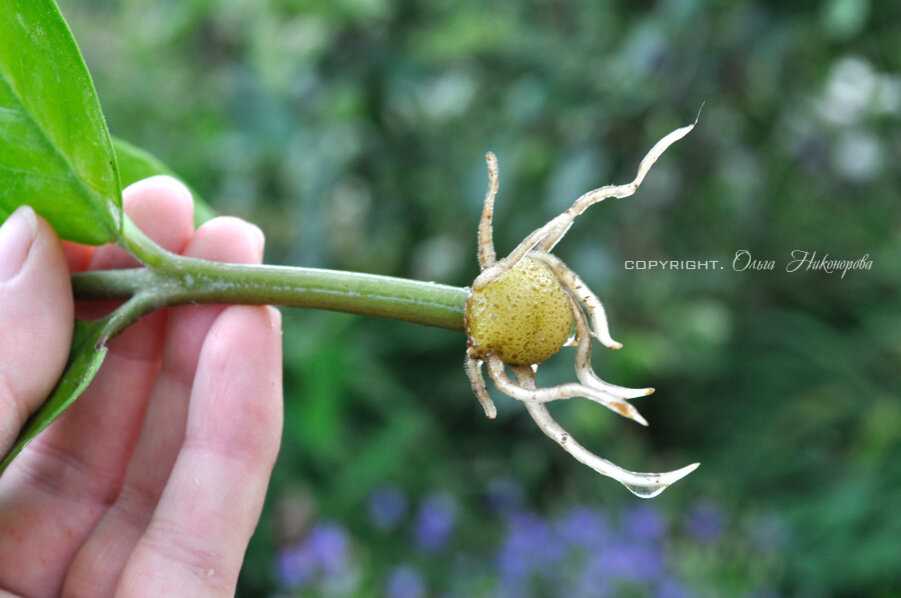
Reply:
x=353 y=131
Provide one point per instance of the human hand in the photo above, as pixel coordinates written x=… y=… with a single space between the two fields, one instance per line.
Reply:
x=153 y=482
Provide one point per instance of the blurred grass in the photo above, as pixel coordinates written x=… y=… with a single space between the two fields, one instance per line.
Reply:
x=353 y=131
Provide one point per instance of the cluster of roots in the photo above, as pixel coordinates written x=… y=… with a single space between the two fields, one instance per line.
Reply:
x=527 y=306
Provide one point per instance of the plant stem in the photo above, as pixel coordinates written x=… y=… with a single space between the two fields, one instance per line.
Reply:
x=142 y=247
x=185 y=280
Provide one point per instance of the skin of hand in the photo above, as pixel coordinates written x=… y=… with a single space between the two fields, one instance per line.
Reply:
x=153 y=482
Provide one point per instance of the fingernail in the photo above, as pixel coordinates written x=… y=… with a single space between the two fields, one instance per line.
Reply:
x=275 y=317
x=16 y=236
x=260 y=238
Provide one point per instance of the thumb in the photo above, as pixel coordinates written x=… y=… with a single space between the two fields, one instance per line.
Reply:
x=36 y=314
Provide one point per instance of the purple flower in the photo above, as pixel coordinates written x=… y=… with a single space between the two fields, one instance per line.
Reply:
x=324 y=552
x=632 y=561
x=387 y=506
x=435 y=521
x=705 y=522
x=405 y=582
x=296 y=566
x=644 y=522
x=672 y=588
x=594 y=581
x=531 y=547
x=585 y=528
x=329 y=543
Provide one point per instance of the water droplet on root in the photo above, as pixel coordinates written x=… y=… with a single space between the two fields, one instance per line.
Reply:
x=654 y=484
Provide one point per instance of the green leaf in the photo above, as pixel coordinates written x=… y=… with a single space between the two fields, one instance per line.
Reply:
x=55 y=150
x=136 y=164
x=85 y=357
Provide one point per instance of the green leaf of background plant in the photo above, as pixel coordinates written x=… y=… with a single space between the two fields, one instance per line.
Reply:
x=136 y=164
x=85 y=358
x=55 y=150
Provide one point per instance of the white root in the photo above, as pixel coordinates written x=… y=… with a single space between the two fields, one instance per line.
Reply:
x=473 y=369
x=559 y=393
x=546 y=238
x=506 y=264
x=487 y=255
x=587 y=200
x=538 y=245
x=585 y=373
x=600 y=328
x=644 y=485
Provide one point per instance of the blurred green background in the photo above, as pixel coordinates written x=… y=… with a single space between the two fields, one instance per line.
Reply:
x=353 y=132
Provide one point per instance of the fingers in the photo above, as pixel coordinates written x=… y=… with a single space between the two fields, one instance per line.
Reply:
x=35 y=318
x=196 y=541
x=163 y=208
x=99 y=562
x=223 y=239
x=78 y=256
x=55 y=491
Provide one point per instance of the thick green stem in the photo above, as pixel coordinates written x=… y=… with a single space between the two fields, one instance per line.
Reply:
x=184 y=280
x=142 y=247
